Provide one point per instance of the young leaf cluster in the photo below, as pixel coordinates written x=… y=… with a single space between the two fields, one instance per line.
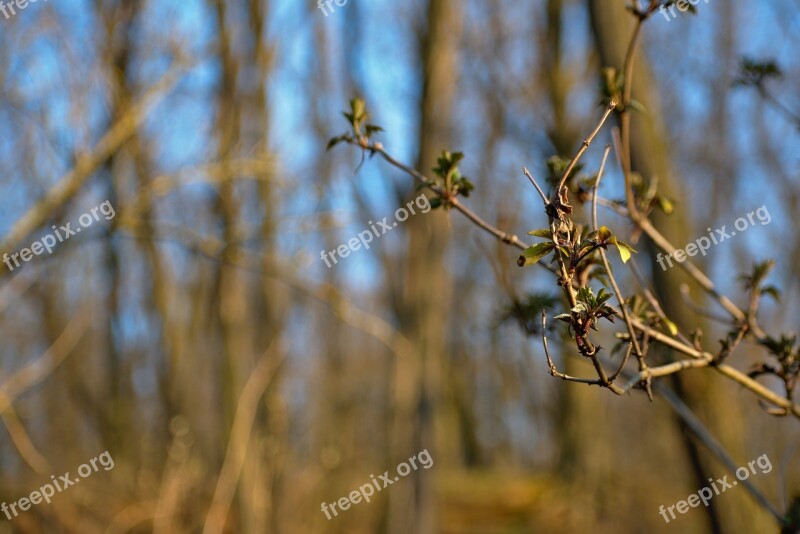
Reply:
x=450 y=179
x=589 y=309
x=575 y=250
x=753 y=73
x=360 y=130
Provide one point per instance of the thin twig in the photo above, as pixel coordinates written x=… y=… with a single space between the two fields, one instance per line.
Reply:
x=585 y=146
x=665 y=370
x=625 y=116
x=552 y=366
x=653 y=300
x=636 y=348
x=27 y=450
x=538 y=189
x=767 y=95
x=622 y=364
x=511 y=239
x=704 y=282
x=505 y=237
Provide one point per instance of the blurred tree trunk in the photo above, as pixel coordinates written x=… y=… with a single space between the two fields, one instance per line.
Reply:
x=261 y=481
x=334 y=423
x=228 y=122
x=118 y=27
x=705 y=393
x=120 y=31
x=423 y=310
x=241 y=106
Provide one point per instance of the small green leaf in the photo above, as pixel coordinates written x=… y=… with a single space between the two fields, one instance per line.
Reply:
x=542 y=232
x=335 y=141
x=358 y=107
x=673 y=328
x=666 y=205
x=602 y=296
x=370 y=129
x=533 y=254
x=586 y=294
x=463 y=186
x=772 y=291
x=578 y=308
x=608 y=312
x=624 y=250
x=637 y=106
x=754 y=73
x=603 y=234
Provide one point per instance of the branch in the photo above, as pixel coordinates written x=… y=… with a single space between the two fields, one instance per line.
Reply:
x=617 y=291
x=584 y=147
x=242 y=427
x=538 y=189
x=706 y=359
x=35 y=372
x=86 y=164
x=554 y=372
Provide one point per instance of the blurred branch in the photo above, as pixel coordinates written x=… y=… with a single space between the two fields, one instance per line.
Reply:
x=130 y=516
x=246 y=409
x=22 y=441
x=767 y=95
x=212 y=248
x=41 y=368
x=625 y=117
x=86 y=164
x=258 y=168
x=699 y=430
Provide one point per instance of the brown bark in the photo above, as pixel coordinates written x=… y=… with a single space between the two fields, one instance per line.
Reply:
x=419 y=384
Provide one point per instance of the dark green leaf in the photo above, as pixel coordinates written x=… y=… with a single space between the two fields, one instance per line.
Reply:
x=534 y=253
x=335 y=141
x=542 y=232
x=772 y=291
x=370 y=129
